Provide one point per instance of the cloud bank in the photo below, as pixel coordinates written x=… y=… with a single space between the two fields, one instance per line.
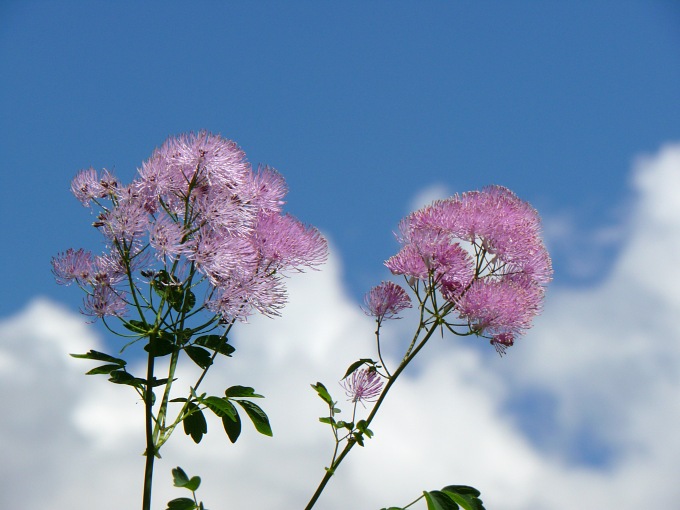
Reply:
x=584 y=411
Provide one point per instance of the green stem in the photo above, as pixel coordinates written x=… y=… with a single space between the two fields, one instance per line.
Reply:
x=150 y=452
x=350 y=444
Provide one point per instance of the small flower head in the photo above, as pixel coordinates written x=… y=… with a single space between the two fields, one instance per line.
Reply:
x=502 y=341
x=86 y=186
x=386 y=300
x=103 y=302
x=363 y=385
x=286 y=243
x=73 y=265
x=166 y=237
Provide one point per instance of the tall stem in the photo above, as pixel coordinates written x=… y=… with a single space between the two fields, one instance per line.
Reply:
x=150 y=452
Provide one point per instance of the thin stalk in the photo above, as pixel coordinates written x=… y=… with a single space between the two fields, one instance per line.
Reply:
x=350 y=444
x=377 y=341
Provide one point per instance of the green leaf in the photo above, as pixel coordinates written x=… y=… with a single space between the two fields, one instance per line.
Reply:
x=362 y=427
x=467 y=497
x=232 y=426
x=180 y=479
x=185 y=302
x=357 y=364
x=122 y=377
x=103 y=369
x=241 y=392
x=393 y=508
x=100 y=356
x=136 y=327
x=157 y=382
x=194 y=423
x=174 y=296
x=181 y=504
x=183 y=335
x=463 y=489
x=437 y=500
x=220 y=406
x=199 y=356
x=160 y=346
x=323 y=393
x=215 y=343
x=162 y=282
x=327 y=419
x=257 y=416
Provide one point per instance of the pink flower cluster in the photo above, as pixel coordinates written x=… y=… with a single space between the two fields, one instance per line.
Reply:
x=483 y=251
x=196 y=204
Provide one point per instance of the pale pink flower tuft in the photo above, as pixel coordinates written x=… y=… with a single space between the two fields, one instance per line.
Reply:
x=72 y=266
x=86 y=187
x=166 y=237
x=103 y=302
x=285 y=242
x=386 y=300
x=363 y=385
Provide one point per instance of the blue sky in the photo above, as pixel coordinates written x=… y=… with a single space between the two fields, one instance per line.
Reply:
x=359 y=106
x=365 y=108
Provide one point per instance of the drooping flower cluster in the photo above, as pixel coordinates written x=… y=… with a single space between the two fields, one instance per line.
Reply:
x=483 y=252
x=363 y=385
x=195 y=205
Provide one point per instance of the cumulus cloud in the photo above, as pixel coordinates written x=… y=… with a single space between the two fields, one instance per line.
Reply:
x=428 y=195
x=583 y=411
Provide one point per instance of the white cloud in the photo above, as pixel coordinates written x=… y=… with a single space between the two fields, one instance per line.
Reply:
x=606 y=356
x=428 y=195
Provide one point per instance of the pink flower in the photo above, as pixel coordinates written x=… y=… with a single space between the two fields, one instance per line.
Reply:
x=196 y=204
x=268 y=188
x=286 y=243
x=73 y=265
x=506 y=305
x=482 y=250
x=386 y=300
x=85 y=186
x=363 y=385
x=502 y=341
x=104 y=301
x=166 y=237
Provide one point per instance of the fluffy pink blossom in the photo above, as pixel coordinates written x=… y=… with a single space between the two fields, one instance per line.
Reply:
x=72 y=266
x=125 y=222
x=103 y=302
x=284 y=242
x=506 y=305
x=386 y=300
x=483 y=251
x=196 y=204
x=268 y=188
x=363 y=385
x=86 y=187
x=166 y=237
x=238 y=298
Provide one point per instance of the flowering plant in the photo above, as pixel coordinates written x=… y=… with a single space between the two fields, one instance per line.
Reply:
x=198 y=242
